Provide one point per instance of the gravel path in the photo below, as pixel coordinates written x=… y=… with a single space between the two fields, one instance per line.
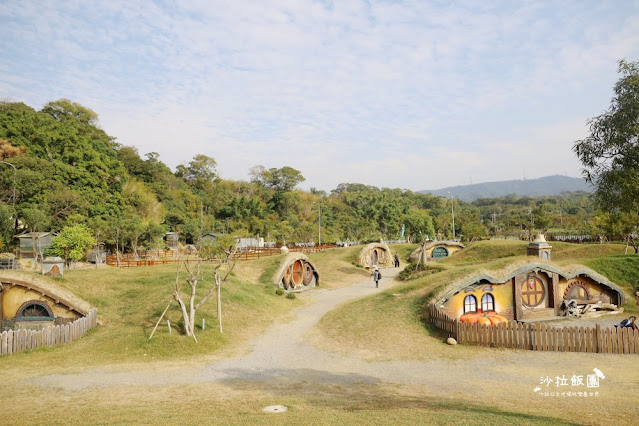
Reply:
x=281 y=352
x=281 y=357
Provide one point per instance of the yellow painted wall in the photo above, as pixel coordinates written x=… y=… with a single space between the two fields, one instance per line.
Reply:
x=13 y=297
x=596 y=289
x=503 y=294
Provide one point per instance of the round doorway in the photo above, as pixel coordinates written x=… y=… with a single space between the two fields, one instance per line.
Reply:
x=533 y=292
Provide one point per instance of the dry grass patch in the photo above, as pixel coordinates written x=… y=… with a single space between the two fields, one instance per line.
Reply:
x=336 y=267
x=130 y=301
x=389 y=325
x=242 y=403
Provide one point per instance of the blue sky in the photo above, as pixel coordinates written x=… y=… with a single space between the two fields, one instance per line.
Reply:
x=407 y=94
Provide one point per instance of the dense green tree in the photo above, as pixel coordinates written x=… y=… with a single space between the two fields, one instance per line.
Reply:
x=72 y=243
x=71 y=171
x=283 y=179
x=610 y=154
x=418 y=225
x=200 y=171
x=7 y=217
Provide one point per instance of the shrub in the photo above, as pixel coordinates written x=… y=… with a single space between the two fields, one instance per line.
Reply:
x=72 y=243
x=416 y=270
x=291 y=296
x=279 y=292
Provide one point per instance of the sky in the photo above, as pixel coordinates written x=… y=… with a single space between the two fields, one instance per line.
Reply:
x=399 y=94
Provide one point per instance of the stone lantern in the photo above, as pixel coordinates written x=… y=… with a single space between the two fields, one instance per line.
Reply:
x=539 y=247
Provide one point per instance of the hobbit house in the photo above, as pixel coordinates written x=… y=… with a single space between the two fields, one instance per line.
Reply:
x=528 y=291
x=27 y=302
x=376 y=254
x=296 y=273
x=436 y=250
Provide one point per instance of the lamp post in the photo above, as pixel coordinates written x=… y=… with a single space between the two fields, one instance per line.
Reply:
x=452 y=211
x=319 y=223
x=14 y=183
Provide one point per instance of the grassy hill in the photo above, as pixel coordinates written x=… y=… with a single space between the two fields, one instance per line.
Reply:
x=130 y=301
x=386 y=326
x=356 y=327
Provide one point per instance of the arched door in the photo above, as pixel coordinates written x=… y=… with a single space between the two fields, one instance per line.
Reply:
x=374 y=257
x=297 y=273
x=533 y=292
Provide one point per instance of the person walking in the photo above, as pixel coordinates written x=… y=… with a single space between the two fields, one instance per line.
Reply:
x=377 y=276
x=397 y=259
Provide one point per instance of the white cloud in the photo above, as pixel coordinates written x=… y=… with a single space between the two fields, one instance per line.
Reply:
x=338 y=90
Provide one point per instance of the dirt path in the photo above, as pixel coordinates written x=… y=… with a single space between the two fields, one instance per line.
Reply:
x=282 y=358
x=280 y=353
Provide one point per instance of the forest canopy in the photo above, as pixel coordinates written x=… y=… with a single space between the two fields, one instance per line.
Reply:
x=69 y=172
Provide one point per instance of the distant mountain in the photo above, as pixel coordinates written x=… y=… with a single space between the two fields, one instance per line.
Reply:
x=549 y=185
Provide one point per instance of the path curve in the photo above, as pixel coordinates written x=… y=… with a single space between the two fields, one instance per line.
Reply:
x=282 y=357
x=280 y=353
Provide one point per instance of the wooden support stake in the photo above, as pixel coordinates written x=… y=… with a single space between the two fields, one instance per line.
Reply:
x=160 y=319
x=168 y=322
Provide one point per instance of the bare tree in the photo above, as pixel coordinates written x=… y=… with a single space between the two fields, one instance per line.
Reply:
x=223 y=266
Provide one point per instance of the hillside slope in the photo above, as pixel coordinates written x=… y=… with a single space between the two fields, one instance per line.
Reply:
x=549 y=185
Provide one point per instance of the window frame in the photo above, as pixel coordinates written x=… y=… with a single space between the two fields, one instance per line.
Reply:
x=487 y=302
x=469 y=301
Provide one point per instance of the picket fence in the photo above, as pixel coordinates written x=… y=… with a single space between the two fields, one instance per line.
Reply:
x=14 y=341
x=538 y=336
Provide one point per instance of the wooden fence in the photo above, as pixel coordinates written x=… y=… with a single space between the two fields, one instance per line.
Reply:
x=539 y=336
x=161 y=257
x=14 y=341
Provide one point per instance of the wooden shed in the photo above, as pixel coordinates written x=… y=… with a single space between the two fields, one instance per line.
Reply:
x=34 y=242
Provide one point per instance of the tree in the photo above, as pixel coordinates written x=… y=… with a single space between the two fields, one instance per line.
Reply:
x=221 y=272
x=200 y=171
x=6 y=223
x=65 y=110
x=418 y=224
x=283 y=179
x=610 y=154
x=72 y=243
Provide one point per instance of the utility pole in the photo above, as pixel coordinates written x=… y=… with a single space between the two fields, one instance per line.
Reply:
x=532 y=221
x=452 y=210
x=319 y=223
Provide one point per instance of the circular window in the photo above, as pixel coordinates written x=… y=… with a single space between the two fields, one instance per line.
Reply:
x=34 y=309
x=532 y=292
x=439 y=252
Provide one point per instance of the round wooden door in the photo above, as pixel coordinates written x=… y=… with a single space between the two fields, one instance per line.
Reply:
x=297 y=273
x=533 y=292
x=308 y=274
